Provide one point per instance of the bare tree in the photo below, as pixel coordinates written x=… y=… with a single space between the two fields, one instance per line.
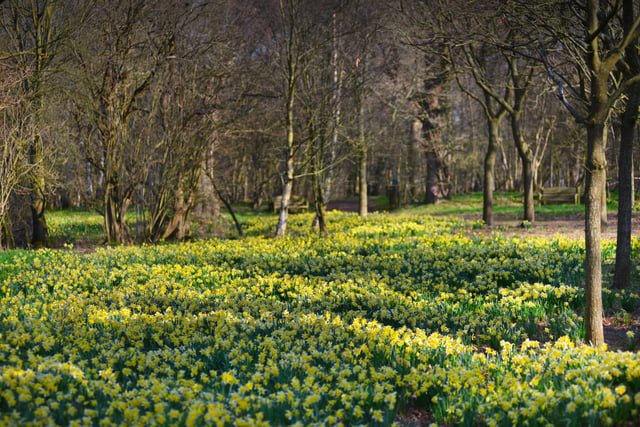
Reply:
x=15 y=144
x=115 y=71
x=463 y=32
x=325 y=161
x=297 y=27
x=513 y=102
x=630 y=67
x=322 y=106
x=293 y=57
x=363 y=66
x=579 y=34
x=361 y=139
x=484 y=72
x=431 y=126
x=184 y=100
x=36 y=32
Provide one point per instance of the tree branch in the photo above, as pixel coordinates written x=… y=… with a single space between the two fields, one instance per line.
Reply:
x=632 y=35
x=621 y=89
x=604 y=23
x=559 y=85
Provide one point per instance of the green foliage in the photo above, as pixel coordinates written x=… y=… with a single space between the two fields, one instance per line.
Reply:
x=69 y=226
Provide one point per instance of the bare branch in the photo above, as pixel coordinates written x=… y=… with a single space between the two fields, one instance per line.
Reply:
x=628 y=83
x=580 y=118
x=604 y=23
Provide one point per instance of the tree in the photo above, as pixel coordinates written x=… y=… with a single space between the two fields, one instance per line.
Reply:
x=431 y=126
x=183 y=122
x=292 y=55
x=323 y=108
x=361 y=139
x=465 y=34
x=521 y=84
x=630 y=67
x=300 y=32
x=15 y=144
x=184 y=109
x=114 y=72
x=516 y=92
x=484 y=73
x=495 y=36
x=36 y=32
x=580 y=35
x=364 y=70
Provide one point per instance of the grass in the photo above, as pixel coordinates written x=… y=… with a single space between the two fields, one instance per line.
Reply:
x=84 y=227
x=508 y=205
x=79 y=226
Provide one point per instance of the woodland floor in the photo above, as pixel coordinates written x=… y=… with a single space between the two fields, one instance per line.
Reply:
x=571 y=226
x=544 y=226
x=615 y=328
x=351 y=205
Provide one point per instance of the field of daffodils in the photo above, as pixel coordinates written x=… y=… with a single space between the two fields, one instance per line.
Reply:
x=386 y=318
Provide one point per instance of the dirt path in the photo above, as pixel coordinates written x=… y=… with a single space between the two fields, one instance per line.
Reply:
x=350 y=205
x=572 y=227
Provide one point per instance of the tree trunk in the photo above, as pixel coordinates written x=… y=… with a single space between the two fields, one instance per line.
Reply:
x=178 y=225
x=258 y=191
x=362 y=181
x=489 y=171
x=593 y=255
x=319 y=220
x=115 y=209
x=318 y=163
x=17 y=223
x=40 y=230
x=362 y=167
x=40 y=236
x=527 y=177
x=287 y=188
x=323 y=179
x=526 y=155
x=594 y=183
x=430 y=139
x=433 y=166
x=552 y=155
x=112 y=226
x=3 y=226
x=633 y=184
x=227 y=204
x=622 y=276
x=604 y=220
x=283 y=217
x=509 y=181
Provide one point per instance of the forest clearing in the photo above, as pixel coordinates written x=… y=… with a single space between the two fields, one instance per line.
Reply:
x=405 y=319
